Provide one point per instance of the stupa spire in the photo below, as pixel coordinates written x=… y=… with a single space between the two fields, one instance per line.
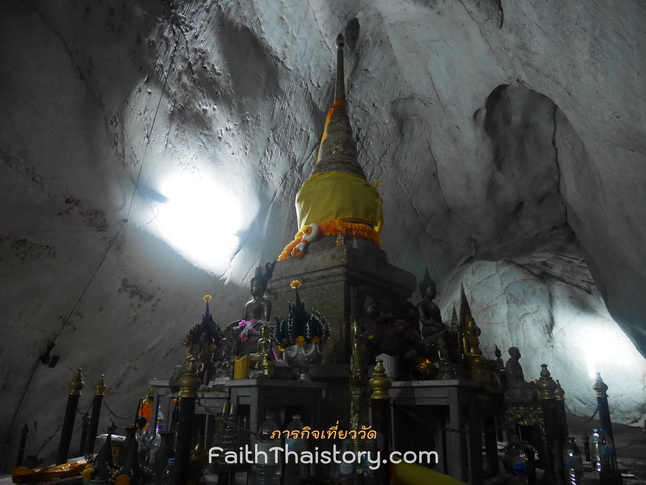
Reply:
x=337 y=151
x=339 y=88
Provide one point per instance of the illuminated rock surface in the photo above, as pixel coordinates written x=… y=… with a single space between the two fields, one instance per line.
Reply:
x=509 y=138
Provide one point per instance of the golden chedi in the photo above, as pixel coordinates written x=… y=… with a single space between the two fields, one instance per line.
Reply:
x=337 y=199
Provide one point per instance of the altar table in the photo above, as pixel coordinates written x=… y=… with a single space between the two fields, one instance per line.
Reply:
x=282 y=398
x=445 y=412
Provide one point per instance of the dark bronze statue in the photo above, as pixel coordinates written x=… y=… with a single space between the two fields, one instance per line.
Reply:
x=428 y=312
x=259 y=307
x=518 y=390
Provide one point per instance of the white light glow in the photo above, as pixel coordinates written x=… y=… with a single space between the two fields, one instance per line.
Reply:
x=606 y=348
x=201 y=221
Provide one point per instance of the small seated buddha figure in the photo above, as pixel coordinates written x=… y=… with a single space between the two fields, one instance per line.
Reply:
x=446 y=370
x=476 y=363
x=428 y=312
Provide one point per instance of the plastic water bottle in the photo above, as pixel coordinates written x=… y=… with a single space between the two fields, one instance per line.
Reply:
x=596 y=459
x=295 y=471
x=609 y=473
x=169 y=472
x=267 y=466
x=346 y=468
x=517 y=461
x=607 y=456
x=572 y=462
x=160 y=420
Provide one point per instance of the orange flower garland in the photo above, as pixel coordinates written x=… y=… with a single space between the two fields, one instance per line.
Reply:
x=123 y=480
x=336 y=227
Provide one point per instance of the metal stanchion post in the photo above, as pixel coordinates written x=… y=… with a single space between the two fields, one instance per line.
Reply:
x=99 y=392
x=380 y=410
x=188 y=387
x=75 y=386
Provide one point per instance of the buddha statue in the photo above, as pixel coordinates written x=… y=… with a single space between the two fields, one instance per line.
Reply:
x=259 y=307
x=445 y=370
x=428 y=312
x=241 y=336
x=474 y=361
x=470 y=342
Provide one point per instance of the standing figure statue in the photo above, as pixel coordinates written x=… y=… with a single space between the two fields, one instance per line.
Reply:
x=428 y=312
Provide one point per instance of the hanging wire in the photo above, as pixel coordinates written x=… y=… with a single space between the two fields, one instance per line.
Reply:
x=47 y=440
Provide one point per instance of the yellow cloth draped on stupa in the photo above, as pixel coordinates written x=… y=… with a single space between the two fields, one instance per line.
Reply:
x=337 y=189
x=329 y=196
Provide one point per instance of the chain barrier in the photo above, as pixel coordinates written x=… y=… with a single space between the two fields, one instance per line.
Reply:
x=587 y=420
x=208 y=411
x=115 y=415
x=82 y=413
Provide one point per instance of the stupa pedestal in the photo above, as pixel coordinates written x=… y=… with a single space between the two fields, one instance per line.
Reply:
x=328 y=273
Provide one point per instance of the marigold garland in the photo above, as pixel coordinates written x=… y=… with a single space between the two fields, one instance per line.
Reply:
x=123 y=479
x=336 y=227
x=88 y=473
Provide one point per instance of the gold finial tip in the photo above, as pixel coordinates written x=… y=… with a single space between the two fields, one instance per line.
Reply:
x=600 y=387
x=189 y=384
x=379 y=382
x=340 y=40
x=76 y=384
x=207 y=298
x=100 y=387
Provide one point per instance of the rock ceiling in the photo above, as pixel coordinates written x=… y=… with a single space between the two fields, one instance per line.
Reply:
x=509 y=138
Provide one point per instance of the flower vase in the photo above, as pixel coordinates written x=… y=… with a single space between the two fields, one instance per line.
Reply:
x=241 y=367
x=302 y=357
